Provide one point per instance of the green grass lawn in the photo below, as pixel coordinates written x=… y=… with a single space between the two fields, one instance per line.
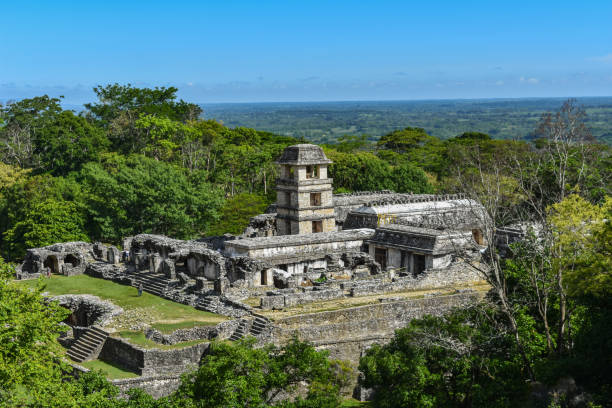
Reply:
x=111 y=371
x=138 y=338
x=350 y=403
x=161 y=312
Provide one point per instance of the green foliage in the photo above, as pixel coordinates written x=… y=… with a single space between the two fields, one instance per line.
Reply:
x=32 y=368
x=46 y=223
x=120 y=107
x=136 y=194
x=67 y=142
x=22 y=122
x=404 y=140
x=236 y=213
x=364 y=171
x=458 y=360
x=238 y=375
x=410 y=179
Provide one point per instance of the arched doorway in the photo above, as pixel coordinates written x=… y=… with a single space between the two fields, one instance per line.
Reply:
x=52 y=263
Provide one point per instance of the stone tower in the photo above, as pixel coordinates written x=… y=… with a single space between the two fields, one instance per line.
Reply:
x=304 y=193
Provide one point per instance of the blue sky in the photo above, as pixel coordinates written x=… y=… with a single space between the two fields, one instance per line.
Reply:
x=249 y=51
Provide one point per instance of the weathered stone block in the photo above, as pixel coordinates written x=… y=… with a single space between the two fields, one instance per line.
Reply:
x=272 y=302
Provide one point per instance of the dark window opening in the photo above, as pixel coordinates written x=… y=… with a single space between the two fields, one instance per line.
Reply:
x=419 y=264
x=72 y=260
x=317 y=226
x=404 y=260
x=264 y=277
x=380 y=256
x=312 y=171
x=315 y=199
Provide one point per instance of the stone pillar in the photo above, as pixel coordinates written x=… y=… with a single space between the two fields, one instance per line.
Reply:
x=155 y=262
x=411 y=263
x=200 y=284
x=127 y=243
x=221 y=285
x=169 y=269
x=113 y=255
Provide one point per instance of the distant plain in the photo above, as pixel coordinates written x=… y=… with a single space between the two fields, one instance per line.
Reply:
x=325 y=122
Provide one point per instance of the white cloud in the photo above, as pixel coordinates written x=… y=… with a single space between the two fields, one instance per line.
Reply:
x=602 y=58
x=532 y=81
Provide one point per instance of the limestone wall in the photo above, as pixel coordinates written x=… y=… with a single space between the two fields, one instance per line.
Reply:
x=151 y=361
x=348 y=332
x=157 y=386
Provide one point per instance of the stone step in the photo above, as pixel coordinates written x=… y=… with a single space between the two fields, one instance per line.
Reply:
x=77 y=357
x=97 y=330
x=86 y=346
x=85 y=351
x=87 y=340
x=75 y=349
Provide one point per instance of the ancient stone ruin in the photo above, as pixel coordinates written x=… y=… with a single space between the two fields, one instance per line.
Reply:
x=359 y=256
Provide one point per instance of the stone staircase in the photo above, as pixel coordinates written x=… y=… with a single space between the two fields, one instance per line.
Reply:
x=259 y=325
x=88 y=346
x=249 y=327
x=207 y=303
x=153 y=283
x=241 y=330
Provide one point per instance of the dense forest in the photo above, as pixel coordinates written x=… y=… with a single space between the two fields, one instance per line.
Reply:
x=325 y=122
x=139 y=160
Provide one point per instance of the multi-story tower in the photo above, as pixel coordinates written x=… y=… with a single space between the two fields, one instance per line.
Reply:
x=304 y=193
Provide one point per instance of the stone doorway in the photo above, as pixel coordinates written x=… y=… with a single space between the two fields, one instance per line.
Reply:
x=52 y=263
x=380 y=256
x=419 y=264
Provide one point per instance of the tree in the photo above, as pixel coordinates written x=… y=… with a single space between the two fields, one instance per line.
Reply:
x=46 y=223
x=240 y=375
x=31 y=359
x=360 y=171
x=23 y=121
x=120 y=106
x=410 y=179
x=236 y=213
x=67 y=142
x=403 y=140
x=461 y=359
x=126 y=196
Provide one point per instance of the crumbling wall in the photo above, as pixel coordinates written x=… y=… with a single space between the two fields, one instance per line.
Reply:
x=220 y=331
x=69 y=258
x=347 y=332
x=194 y=258
x=156 y=385
x=151 y=361
x=429 y=279
x=262 y=225
x=88 y=310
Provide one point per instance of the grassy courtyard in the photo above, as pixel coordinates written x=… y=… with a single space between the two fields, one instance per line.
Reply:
x=111 y=372
x=157 y=312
